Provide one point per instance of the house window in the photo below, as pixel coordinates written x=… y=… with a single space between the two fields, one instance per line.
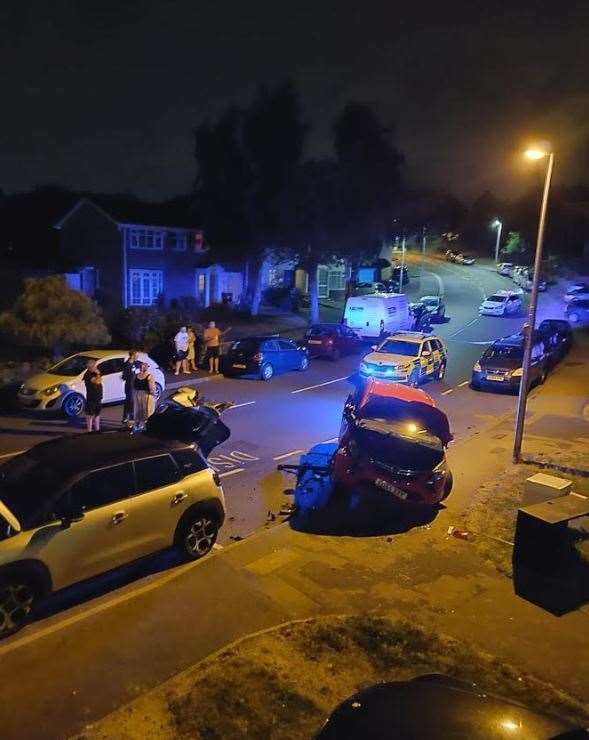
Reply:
x=337 y=280
x=146 y=239
x=178 y=241
x=145 y=286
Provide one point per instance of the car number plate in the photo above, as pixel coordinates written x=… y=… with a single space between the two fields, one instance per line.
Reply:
x=498 y=378
x=315 y=341
x=390 y=488
x=239 y=367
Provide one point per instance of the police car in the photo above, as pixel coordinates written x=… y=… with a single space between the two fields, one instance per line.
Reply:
x=501 y=303
x=407 y=357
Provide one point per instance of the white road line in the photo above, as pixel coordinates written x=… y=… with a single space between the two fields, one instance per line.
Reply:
x=445 y=393
x=464 y=382
x=470 y=323
x=319 y=385
x=12 y=454
x=231 y=472
x=329 y=441
x=239 y=405
x=288 y=454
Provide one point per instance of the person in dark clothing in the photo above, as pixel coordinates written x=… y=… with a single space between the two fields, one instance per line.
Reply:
x=93 y=383
x=130 y=369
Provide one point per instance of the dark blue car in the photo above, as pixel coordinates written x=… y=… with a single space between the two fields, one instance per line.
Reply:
x=264 y=357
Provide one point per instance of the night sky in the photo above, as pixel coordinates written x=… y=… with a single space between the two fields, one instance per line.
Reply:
x=105 y=95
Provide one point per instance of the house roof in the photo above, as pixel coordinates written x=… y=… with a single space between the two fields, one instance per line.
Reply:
x=127 y=209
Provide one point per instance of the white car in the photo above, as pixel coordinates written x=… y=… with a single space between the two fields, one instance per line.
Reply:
x=578 y=290
x=505 y=268
x=501 y=303
x=62 y=388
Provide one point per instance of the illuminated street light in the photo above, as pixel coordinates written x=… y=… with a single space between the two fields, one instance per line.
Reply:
x=528 y=329
x=497 y=225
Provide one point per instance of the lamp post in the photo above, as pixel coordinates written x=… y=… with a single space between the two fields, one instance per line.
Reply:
x=528 y=329
x=497 y=225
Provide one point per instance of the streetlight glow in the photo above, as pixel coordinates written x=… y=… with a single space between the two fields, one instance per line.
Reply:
x=534 y=154
x=496 y=224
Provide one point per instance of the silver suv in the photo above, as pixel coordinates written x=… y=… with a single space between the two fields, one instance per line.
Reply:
x=77 y=506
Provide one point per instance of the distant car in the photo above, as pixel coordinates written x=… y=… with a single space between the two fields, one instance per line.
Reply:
x=578 y=290
x=505 y=268
x=519 y=273
x=264 y=357
x=577 y=312
x=557 y=336
x=434 y=707
x=398 y=272
x=369 y=288
x=62 y=388
x=83 y=504
x=332 y=341
x=526 y=279
x=434 y=305
x=407 y=357
x=501 y=303
x=500 y=366
x=465 y=259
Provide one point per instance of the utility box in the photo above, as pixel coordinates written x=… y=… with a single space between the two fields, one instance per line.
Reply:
x=541 y=487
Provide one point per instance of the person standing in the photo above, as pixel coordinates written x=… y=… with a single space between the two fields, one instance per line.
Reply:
x=212 y=342
x=93 y=383
x=130 y=369
x=143 y=397
x=191 y=355
x=181 y=345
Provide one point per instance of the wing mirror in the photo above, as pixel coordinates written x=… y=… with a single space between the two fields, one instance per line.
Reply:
x=426 y=353
x=73 y=516
x=374 y=347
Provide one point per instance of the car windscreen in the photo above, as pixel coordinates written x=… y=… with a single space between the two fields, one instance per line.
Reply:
x=72 y=366
x=249 y=346
x=496 y=299
x=506 y=352
x=26 y=486
x=398 y=347
x=321 y=331
x=430 y=301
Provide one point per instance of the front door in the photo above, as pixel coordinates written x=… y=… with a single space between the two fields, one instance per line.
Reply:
x=289 y=354
x=113 y=388
x=97 y=542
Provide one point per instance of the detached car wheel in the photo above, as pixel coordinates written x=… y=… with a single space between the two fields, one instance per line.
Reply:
x=18 y=596
x=267 y=372
x=304 y=363
x=196 y=535
x=73 y=405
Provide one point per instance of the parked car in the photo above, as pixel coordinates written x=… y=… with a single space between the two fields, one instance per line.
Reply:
x=264 y=357
x=557 y=336
x=518 y=273
x=526 y=279
x=393 y=438
x=500 y=366
x=501 y=303
x=578 y=290
x=369 y=288
x=407 y=357
x=464 y=259
x=398 y=272
x=373 y=315
x=434 y=305
x=332 y=341
x=62 y=388
x=505 y=268
x=434 y=707
x=577 y=312
x=80 y=505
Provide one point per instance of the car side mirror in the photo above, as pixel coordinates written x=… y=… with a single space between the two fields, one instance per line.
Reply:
x=73 y=516
x=426 y=353
x=374 y=347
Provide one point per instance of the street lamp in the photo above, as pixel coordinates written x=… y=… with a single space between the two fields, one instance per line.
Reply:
x=497 y=225
x=528 y=329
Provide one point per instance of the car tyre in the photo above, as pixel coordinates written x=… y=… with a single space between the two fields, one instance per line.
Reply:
x=475 y=386
x=441 y=373
x=267 y=372
x=448 y=485
x=304 y=363
x=574 y=318
x=73 y=405
x=196 y=534
x=414 y=379
x=19 y=593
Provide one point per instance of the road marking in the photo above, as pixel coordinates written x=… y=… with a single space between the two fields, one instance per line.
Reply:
x=239 y=405
x=329 y=441
x=464 y=382
x=445 y=393
x=319 y=385
x=12 y=454
x=231 y=472
x=470 y=323
x=288 y=454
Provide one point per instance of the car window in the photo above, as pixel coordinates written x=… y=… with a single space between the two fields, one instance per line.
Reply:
x=72 y=366
x=155 y=472
x=103 y=487
x=27 y=488
x=426 y=347
x=270 y=346
x=188 y=461
x=248 y=346
x=286 y=344
x=108 y=367
x=436 y=344
x=399 y=347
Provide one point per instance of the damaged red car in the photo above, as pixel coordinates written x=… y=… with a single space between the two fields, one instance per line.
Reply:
x=394 y=438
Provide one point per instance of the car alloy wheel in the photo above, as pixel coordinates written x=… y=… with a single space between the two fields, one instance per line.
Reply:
x=267 y=372
x=17 y=597
x=198 y=536
x=73 y=405
x=304 y=363
x=574 y=317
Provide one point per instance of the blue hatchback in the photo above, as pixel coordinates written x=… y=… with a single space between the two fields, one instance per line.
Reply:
x=264 y=357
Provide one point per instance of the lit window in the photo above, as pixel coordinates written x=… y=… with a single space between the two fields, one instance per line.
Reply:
x=146 y=239
x=145 y=286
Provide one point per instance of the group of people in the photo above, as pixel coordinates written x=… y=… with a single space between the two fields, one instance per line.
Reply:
x=185 y=349
x=140 y=393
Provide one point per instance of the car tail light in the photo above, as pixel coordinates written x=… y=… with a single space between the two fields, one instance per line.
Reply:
x=217 y=478
x=330 y=341
x=257 y=357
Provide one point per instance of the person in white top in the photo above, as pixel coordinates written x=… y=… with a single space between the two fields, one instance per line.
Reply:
x=181 y=344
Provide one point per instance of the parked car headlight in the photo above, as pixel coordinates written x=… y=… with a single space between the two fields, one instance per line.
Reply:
x=517 y=373
x=477 y=367
x=364 y=367
x=52 y=390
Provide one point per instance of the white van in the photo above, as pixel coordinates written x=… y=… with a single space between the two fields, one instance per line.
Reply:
x=365 y=313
